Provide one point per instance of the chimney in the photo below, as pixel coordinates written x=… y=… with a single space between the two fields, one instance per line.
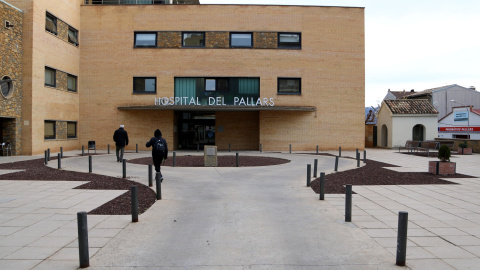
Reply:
x=472 y=87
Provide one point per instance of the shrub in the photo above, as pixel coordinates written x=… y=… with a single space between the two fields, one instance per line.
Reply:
x=463 y=145
x=444 y=153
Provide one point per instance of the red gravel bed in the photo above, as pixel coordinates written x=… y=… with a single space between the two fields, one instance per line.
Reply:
x=374 y=173
x=223 y=161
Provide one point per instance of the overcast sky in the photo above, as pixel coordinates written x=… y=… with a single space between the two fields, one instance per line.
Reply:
x=411 y=44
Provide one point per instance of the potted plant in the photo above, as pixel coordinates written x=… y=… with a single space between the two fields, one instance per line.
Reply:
x=444 y=166
x=464 y=149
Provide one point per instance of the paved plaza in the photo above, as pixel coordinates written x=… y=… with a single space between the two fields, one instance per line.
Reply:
x=243 y=218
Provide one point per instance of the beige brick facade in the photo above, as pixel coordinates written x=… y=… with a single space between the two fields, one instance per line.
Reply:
x=330 y=63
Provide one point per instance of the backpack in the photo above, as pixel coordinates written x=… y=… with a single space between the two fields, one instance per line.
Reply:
x=159 y=147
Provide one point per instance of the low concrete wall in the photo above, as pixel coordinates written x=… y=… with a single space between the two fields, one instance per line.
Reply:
x=474 y=144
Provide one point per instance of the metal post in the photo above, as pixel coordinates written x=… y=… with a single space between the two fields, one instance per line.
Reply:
x=340 y=151
x=90 y=164
x=317 y=149
x=402 y=238
x=61 y=152
x=322 y=186
x=348 y=203
x=136 y=148
x=236 y=160
x=309 y=174
x=358 y=160
x=315 y=166
x=290 y=148
x=260 y=148
x=46 y=157
x=134 y=203
x=108 y=148
x=364 y=156
x=336 y=163
x=150 y=180
x=48 y=154
x=356 y=153
x=83 y=239
x=159 y=185
x=174 y=159
x=83 y=150
x=59 y=161
x=124 y=167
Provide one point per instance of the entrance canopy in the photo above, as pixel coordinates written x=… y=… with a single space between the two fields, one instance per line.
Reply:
x=225 y=108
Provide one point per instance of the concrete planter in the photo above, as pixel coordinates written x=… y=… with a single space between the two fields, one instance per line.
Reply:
x=464 y=151
x=438 y=167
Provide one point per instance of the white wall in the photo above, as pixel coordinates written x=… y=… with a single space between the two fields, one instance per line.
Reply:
x=402 y=127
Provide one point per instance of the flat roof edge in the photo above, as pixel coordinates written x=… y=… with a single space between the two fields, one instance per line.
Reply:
x=218 y=108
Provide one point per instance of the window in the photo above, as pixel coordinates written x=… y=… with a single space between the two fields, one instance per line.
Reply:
x=51 y=23
x=50 y=78
x=49 y=130
x=73 y=36
x=242 y=40
x=289 y=40
x=71 y=129
x=289 y=86
x=210 y=85
x=145 y=39
x=193 y=39
x=72 y=83
x=6 y=85
x=144 y=85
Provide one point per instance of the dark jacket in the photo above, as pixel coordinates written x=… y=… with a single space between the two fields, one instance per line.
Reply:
x=153 y=141
x=120 y=137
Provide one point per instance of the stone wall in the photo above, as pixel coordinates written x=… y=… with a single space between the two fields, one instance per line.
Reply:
x=217 y=40
x=11 y=57
x=169 y=39
x=265 y=40
x=369 y=135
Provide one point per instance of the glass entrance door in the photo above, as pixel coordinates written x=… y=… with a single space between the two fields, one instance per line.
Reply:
x=195 y=129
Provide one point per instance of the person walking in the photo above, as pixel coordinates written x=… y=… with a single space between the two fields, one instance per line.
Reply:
x=159 y=150
x=121 y=140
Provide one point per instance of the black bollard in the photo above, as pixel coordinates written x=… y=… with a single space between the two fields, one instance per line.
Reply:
x=134 y=204
x=290 y=148
x=402 y=238
x=136 y=148
x=317 y=149
x=59 y=161
x=83 y=150
x=322 y=186
x=61 y=152
x=348 y=203
x=315 y=166
x=159 y=185
x=46 y=157
x=309 y=174
x=174 y=159
x=124 y=167
x=48 y=154
x=150 y=180
x=229 y=147
x=90 y=164
x=260 y=148
x=83 y=239
x=108 y=148
x=358 y=160
x=236 y=160
x=356 y=154
x=364 y=156
x=340 y=151
x=336 y=163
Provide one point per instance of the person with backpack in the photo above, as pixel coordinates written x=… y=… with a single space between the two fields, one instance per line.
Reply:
x=121 y=140
x=159 y=150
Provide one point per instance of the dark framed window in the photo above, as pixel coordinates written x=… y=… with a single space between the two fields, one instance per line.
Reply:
x=49 y=129
x=50 y=77
x=144 y=85
x=241 y=40
x=289 y=40
x=73 y=36
x=145 y=39
x=72 y=83
x=71 y=129
x=50 y=23
x=193 y=39
x=289 y=86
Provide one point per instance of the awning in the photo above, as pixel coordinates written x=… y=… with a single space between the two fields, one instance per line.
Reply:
x=225 y=108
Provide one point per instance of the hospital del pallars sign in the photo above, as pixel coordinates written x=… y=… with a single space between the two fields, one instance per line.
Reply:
x=213 y=101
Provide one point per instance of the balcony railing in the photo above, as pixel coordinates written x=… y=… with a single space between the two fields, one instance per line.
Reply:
x=142 y=2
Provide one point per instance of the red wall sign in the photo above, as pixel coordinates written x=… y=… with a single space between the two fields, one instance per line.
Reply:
x=450 y=129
